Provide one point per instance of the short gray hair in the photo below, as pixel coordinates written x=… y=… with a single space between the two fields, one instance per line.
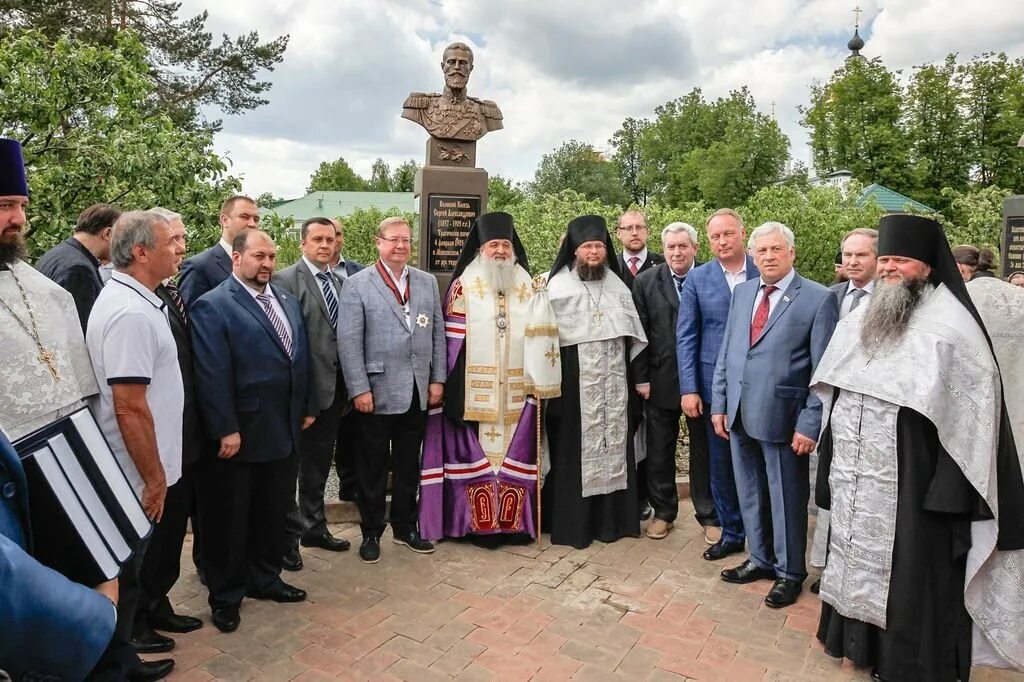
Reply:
x=768 y=228
x=165 y=213
x=674 y=228
x=393 y=220
x=135 y=228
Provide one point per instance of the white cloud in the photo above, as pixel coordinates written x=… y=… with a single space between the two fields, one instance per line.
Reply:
x=558 y=70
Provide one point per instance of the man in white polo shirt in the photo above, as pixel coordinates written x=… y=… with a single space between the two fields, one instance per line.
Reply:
x=141 y=400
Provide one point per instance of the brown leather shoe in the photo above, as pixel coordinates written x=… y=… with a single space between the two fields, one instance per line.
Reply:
x=658 y=529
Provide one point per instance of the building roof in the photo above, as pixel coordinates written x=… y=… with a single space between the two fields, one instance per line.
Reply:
x=341 y=204
x=891 y=201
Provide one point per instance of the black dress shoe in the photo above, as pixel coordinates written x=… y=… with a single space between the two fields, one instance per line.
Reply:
x=369 y=551
x=783 y=593
x=150 y=642
x=226 y=618
x=282 y=593
x=292 y=560
x=816 y=586
x=152 y=670
x=413 y=541
x=722 y=549
x=326 y=541
x=747 y=572
x=174 y=623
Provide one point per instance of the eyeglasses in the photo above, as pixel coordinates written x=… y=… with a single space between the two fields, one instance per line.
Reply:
x=592 y=247
x=404 y=241
x=632 y=228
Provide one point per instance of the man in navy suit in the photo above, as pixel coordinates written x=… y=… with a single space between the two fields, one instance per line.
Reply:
x=205 y=270
x=252 y=364
x=778 y=329
x=52 y=628
x=703 y=311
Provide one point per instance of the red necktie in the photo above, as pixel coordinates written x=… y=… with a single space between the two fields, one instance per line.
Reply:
x=761 y=316
x=633 y=260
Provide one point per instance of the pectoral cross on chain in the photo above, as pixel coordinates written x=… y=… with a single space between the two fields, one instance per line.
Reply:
x=48 y=358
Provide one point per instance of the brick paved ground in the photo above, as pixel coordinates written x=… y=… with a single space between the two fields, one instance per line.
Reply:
x=637 y=609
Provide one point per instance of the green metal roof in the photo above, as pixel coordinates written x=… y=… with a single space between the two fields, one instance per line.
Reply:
x=891 y=201
x=341 y=204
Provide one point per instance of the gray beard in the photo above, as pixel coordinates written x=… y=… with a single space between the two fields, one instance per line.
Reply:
x=591 y=273
x=499 y=275
x=14 y=252
x=889 y=312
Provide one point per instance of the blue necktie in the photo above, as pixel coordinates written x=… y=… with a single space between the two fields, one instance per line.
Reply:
x=679 y=285
x=332 y=300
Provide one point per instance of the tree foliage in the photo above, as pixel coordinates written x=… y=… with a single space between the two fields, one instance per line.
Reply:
x=336 y=176
x=380 y=177
x=629 y=158
x=579 y=167
x=403 y=178
x=717 y=152
x=186 y=69
x=503 y=192
x=79 y=110
x=994 y=102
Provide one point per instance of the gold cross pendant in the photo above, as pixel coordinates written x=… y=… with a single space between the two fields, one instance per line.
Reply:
x=48 y=358
x=598 y=317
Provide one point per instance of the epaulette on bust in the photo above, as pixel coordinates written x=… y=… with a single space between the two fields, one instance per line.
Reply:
x=418 y=100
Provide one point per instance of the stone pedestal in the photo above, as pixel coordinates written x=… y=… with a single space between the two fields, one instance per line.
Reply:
x=451 y=197
x=1012 y=247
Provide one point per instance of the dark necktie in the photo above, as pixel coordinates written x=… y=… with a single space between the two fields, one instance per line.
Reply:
x=763 y=310
x=679 y=285
x=276 y=322
x=857 y=294
x=175 y=295
x=332 y=301
x=634 y=265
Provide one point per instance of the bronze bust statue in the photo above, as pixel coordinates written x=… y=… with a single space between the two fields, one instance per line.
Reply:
x=452 y=115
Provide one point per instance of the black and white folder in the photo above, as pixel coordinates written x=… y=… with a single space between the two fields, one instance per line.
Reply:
x=86 y=518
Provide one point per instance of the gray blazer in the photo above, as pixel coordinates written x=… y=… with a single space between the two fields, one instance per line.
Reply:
x=378 y=352
x=767 y=385
x=323 y=338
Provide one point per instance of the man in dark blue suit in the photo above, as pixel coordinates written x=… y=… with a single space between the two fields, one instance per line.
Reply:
x=252 y=365
x=51 y=627
x=761 y=402
x=703 y=312
x=205 y=270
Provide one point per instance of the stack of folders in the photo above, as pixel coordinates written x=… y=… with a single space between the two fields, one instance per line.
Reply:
x=86 y=518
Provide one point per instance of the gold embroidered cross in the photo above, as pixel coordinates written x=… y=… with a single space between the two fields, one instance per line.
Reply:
x=479 y=287
x=492 y=434
x=523 y=291
x=552 y=355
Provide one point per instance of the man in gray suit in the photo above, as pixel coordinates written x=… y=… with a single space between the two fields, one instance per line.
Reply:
x=392 y=349
x=778 y=328
x=859 y=250
x=311 y=281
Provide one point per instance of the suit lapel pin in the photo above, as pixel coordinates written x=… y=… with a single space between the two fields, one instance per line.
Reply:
x=422 y=320
x=786 y=299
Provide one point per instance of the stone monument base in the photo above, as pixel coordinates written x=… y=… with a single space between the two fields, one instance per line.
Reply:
x=450 y=200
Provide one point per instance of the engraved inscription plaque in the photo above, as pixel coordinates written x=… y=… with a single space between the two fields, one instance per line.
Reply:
x=1013 y=245
x=450 y=219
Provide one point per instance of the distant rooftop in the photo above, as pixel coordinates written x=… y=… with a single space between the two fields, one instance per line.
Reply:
x=891 y=201
x=341 y=204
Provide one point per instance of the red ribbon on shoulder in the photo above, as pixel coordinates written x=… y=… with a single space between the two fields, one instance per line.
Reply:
x=390 y=282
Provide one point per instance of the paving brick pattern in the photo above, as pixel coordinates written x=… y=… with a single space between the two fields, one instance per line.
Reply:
x=637 y=609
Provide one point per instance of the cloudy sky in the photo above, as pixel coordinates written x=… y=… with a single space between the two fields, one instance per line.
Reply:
x=559 y=70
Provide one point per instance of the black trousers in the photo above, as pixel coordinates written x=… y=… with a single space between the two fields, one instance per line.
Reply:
x=242 y=508
x=700 y=474
x=348 y=444
x=162 y=564
x=662 y=435
x=316 y=452
x=404 y=434
x=119 y=659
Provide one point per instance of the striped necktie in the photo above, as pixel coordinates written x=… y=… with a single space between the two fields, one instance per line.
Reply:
x=175 y=295
x=276 y=322
x=332 y=301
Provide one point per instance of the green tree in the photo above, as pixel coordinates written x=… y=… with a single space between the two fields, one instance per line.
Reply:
x=629 y=159
x=856 y=124
x=976 y=216
x=994 y=93
x=268 y=200
x=186 y=69
x=380 y=177
x=335 y=176
x=403 y=178
x=717 y=152
x=579 y=167
x=936 y=131
x=79 y=110
x=503 y=192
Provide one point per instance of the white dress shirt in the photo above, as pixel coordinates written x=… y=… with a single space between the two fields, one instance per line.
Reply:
x=227 y=247
x=734 y=278
x=641 y=257
x=274 y=303
x=868 y=289
x=776 y=295
x=402 y=282
x=314 y=270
